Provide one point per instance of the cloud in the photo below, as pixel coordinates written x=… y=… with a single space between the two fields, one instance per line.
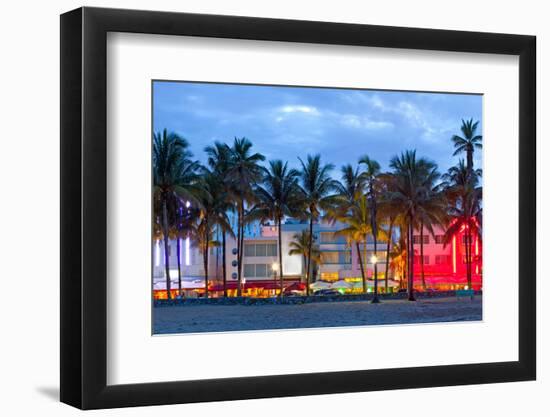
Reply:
x=364 y=122
x=310 y=110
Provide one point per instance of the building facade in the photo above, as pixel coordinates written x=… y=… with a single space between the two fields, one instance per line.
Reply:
x=444 y=265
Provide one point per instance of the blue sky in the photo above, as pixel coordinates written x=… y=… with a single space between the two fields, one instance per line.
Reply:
x=340 y=124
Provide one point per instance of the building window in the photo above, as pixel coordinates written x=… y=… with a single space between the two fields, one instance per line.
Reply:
x=416 y=239
x=439 y=239
x=261 y=270
x=257 y=270
x=442 y=259
x=336 y=257
x=260 y=249
x=249 y=250
x=426 y=259
x=249 y=270
x=271 y=249
x=329 y=257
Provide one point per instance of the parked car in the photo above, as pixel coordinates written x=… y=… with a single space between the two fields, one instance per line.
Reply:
x=326 y=292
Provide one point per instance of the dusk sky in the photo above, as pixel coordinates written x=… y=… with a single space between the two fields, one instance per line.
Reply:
x=340 y=124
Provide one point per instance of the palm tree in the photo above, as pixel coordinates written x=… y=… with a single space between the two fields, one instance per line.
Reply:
x=347 y=192
x=219 y=160
x=277 y=198
x=359 y=226
x=301 y=245
x=466 y=209
x=174 y=178
x=371 y=175
x=243 y=172
x=468 y=142
x=414 y=177
x=390 y=211
x=316 y=186
x=212 y=199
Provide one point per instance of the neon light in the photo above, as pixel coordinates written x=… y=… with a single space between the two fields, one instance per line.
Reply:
x=187 y=253
x=187 y=204
x=477 y=253
x=157 y=253
x=454 y=254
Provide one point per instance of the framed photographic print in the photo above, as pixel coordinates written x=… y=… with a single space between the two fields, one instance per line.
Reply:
x=258 y=207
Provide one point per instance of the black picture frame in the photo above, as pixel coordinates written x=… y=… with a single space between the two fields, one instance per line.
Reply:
x=84 y=207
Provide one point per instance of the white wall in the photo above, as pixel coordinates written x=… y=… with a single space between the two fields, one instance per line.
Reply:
x=29 y=161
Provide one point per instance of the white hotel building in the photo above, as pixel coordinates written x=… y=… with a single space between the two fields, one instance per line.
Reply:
x=339 y=260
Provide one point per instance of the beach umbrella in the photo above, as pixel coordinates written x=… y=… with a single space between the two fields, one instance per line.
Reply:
x=320 y=285
x=341 y=284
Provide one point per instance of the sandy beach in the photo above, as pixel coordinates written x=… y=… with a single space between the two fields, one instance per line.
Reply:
x=218 y=318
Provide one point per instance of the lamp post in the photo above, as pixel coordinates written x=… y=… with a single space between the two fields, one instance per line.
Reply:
x=275 y=268
x=374 y=260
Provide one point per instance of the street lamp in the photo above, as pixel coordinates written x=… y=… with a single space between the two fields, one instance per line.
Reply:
x=374 y=260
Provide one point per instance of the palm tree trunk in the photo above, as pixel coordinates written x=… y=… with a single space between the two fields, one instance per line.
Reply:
x=178 y=248
x=166 y=250
x=308 y=274
x=224 y=270
x=374 y=227
x=470 y=162
x=205 y=259
x=388 y=247
x=241 y=245
x=411 y=261
x=239 y=273
x=361 y=266
x=375 y=298
x=280 y=250
x=422 y=255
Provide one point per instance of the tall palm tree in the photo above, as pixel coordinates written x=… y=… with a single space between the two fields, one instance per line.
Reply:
x=174 y=178
x=358 y=227
x=244 y=171
x=300 y=246
x=347 y=191
x=466 y=209
x=277 y=197
x=414 y=177
x=372 y=183
x=219 y=160
x=468 y=142
x=390 y=211
x=213 y=213
x=316 y=186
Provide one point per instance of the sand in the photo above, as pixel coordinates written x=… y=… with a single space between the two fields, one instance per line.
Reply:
x=218 y=318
